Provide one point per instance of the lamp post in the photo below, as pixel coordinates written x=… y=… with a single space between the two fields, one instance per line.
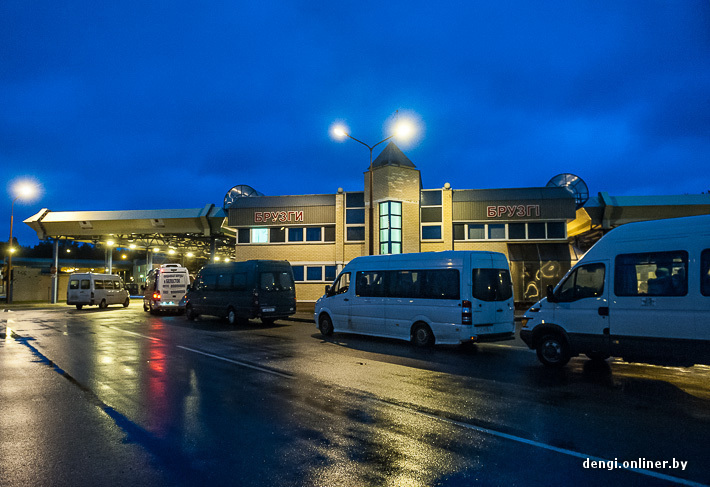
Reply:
x=402 y=129
x=24 y=190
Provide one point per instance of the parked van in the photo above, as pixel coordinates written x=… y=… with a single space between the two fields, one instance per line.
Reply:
x=102 y=289
x=243 y=290
x=164 y=288
x=642 y=293
x=449 y=297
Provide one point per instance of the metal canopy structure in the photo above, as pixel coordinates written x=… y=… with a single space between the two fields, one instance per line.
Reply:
x=197 y=230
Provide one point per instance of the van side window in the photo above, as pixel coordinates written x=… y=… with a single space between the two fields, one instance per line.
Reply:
x=98 y=284
x=705 y=272
x=424 y=284
x=209 y=282
x=108 y=284
x=341 y=285
x=275 y=281
x=586 y=281
x=652 y=274
x=74 y=284
x=85 y=284
x=370 y=283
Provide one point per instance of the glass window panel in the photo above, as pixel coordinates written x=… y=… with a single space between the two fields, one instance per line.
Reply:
x=496 y=231
x=396 y=248
x=243 y=235
x=297 y=272
x=384 y=235
x=277 y=234
x=651 y=274
x=432 y=215
x=330 y=273
x=395 y=208
x=329 y=234
x=459 y=232
x=396 y=221
x=313 y=234
x=431 y=198
x=536 y=231
x=314 y=273
x=384 y=221
x=705 y=272
x=355 y=216
x=476 y=231
x=516 y=231
x=295 y=234
x=431 y=232
x=384 y=248
x=556 y=229
x=354 y=200
x=396 y=235
x=259 y=235
x=355 y=234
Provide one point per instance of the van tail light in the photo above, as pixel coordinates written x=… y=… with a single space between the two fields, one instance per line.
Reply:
x=255 y=301
x=466 y=312
x=156 y=296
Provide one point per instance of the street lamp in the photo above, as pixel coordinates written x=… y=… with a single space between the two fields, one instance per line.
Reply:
x=23 y=190
x=403 y=129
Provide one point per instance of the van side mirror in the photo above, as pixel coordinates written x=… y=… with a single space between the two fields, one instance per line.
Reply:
x=550 y=294
x=327 y=289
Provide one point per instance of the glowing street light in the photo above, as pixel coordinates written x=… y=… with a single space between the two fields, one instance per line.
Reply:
x=402 y=129
x=24 y=190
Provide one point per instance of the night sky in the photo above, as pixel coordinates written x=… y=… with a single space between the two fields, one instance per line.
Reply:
x=150 y=105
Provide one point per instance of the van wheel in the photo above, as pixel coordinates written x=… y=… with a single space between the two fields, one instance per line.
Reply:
x=325 y=325
x=232 y=316
x=190 y=313
x=103 y=304
x=553 y=351
x=79 y=306
x=422 y=336
x=126 y=303
x=145 y=308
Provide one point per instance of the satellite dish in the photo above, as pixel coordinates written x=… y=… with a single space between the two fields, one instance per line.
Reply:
x=573 y=184
x=240 y=191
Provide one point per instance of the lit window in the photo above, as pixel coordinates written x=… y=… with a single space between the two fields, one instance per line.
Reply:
x=259 y=235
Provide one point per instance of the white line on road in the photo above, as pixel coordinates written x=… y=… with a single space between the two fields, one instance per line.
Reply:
x=545 y=446
x=237 y=362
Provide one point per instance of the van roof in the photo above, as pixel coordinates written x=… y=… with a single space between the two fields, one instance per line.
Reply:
x=483 y=255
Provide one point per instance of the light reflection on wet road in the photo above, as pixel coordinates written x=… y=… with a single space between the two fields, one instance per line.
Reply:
x=257 y=405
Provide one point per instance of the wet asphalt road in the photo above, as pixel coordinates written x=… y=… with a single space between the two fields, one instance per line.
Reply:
x=119 y=397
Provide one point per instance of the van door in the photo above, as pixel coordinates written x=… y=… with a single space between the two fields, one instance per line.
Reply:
x=339 y=300
x=492 y=293
x=581 y=307
x=652 y=305
x=367 y=310
x=83 y=294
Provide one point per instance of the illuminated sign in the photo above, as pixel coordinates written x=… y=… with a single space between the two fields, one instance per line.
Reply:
x=278 y=216
x=512 y=210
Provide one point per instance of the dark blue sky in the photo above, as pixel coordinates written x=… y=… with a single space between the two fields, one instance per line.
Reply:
x=142 y=105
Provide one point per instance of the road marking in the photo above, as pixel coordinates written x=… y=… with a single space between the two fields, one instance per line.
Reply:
x=134 y=333
x=564 y=451
x=238 y=362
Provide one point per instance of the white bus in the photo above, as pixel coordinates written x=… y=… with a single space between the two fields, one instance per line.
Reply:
x=450 y=297
x=91 y=289
x=642 y=293
x=164 y=288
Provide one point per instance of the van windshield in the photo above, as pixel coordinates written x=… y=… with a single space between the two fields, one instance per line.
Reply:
x=492 y=284
x=276 y=281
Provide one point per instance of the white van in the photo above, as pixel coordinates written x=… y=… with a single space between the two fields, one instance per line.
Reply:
x=164 y=288
x=449 y=297
x=641 y=293
x=102 y=289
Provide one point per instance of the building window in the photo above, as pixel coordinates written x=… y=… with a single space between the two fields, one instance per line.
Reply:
x=313 y=234
x=496 y=231
x=354 y=217
x=243 y=235
x=314 y=273
x=431 y=232
x=297 y=273
x=295 y=234
x=278 y=234
x=391 y=227
x=511 y=231
x=259 y=235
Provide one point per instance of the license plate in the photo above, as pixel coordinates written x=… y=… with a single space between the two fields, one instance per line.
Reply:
x=268 y=310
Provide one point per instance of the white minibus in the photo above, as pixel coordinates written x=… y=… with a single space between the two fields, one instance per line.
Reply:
x=90 y=289
x=449 y=297
x=164 y=288
x=642 y=293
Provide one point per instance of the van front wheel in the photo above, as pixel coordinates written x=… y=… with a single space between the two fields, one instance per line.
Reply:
x=79 y=306
x=103 y=304
x=126 y=303
x=422 y=336
x=325 y=326
x=553 y=351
